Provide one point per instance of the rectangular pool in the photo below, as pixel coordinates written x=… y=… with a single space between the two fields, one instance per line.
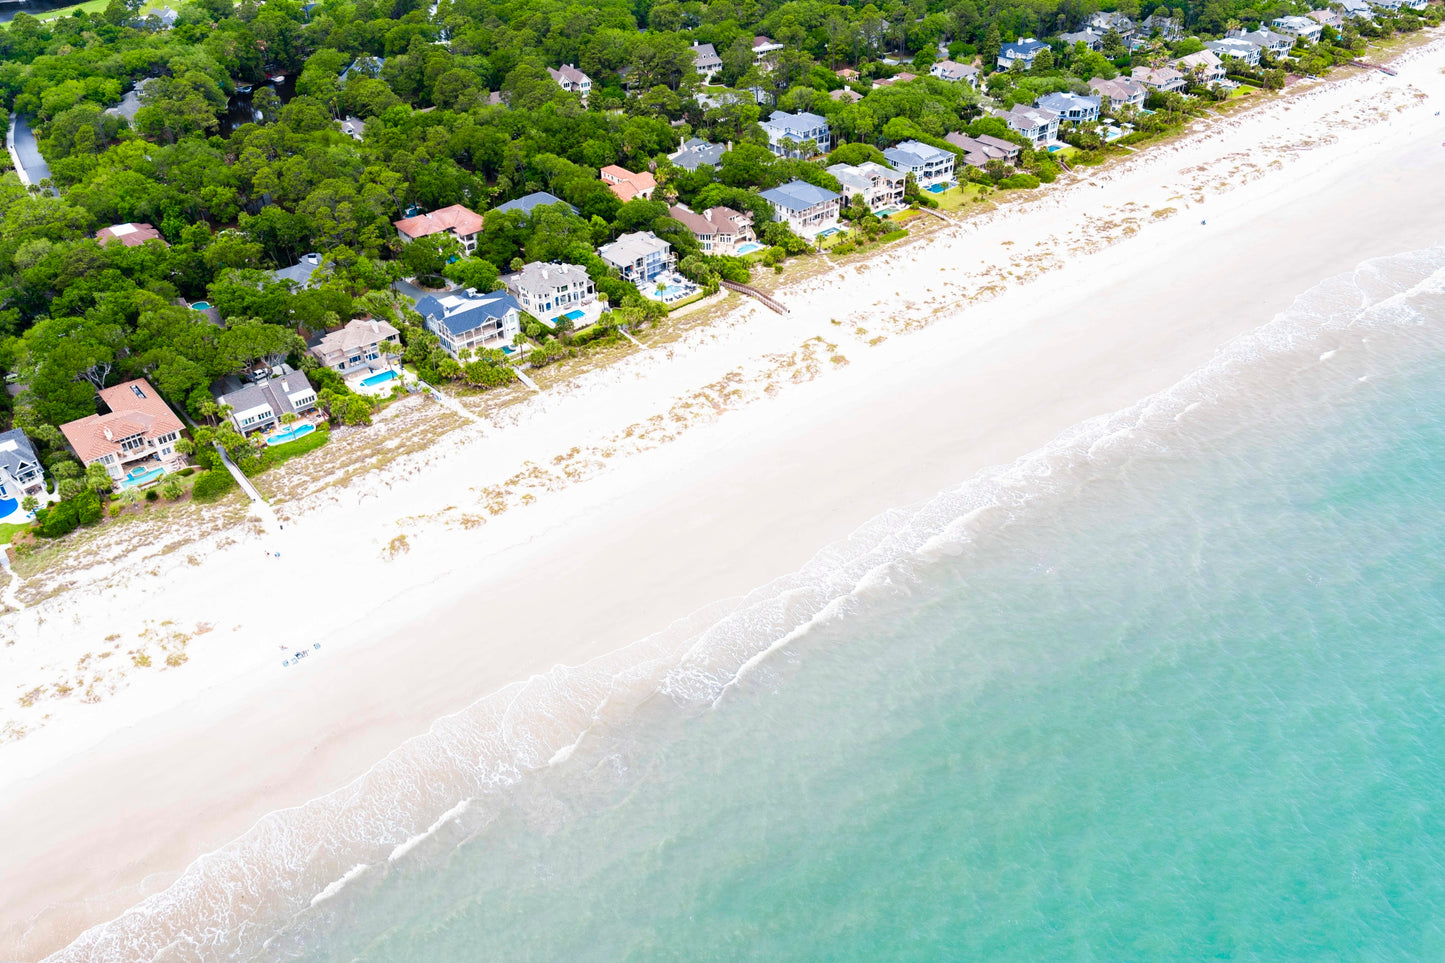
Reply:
x=379 y=378
x=749 y=248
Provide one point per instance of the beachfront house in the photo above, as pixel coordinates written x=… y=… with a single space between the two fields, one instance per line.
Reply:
x=807 y=209
x=1020 y=52
x=131 y=235
x=531 y=202
x=930 y=166
x=719 y=230
x=1301 y=27
x=765 y=51
x=1359 y=9
x=549 y=291
x=797 y=136
x=1075 y=108
x=299 y=274
x=978 y=151
x=880 y=186
x=20 y=471
x=696 y=152
x=1235 y=48
x=469 y=321
x=1089 y=37
x=705 y=60
x=638 y=257
x=354 y=347
x=1203 y=67
x=456 y=220
x=1119 y=92
x=955 y=72
x=1277 y=44
x=136 y=438
x=1039 y=126
x=1163 y=79
x=1327 y=18
x=261 y=398
x=627 y=185
x=572 y=80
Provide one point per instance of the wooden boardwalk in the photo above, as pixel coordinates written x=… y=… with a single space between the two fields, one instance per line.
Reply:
x=751 y=292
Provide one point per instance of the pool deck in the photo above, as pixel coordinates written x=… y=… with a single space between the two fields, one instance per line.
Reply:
x=381 y=389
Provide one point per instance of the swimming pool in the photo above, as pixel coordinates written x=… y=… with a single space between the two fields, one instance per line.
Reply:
x=378 y=379
x=887 y=212
x=669 y=292
x=938 y=188
x=1055 y=148
x=201 y=306
x=574 y=316
x=829 y=232
x=8 y=505
x=289 y=434
x=749 y=248
x=141 y=476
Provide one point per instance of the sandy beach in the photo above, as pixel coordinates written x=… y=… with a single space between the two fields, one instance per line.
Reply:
x=681 y=476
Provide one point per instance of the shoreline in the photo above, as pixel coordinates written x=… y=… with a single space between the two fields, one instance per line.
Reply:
x=726 y=505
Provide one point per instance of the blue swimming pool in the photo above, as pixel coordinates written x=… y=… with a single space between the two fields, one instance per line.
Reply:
x=201 y=306
x=8 y=505
x=141 y=476
x=938 y=188
x=380 y=378
x=888 y=212
x=749 y=248
x=289 y=434
x=669 y=292
x=1055 y=148
x=574 y=316
x=829 y=232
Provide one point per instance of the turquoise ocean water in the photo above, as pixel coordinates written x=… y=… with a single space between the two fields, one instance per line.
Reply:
x=1172 y=689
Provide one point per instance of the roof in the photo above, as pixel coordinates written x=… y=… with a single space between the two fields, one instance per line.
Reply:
x=985 y=147
x=852 y=96
x=1120 y=88
x=300 y=273
x=626 y=184
x=1062 y=103
x=633 y=247
x=713 y=221
x=1202 y=58
x=1156 y=77
x=912 y=153
x=278 y=392
x=462 y=311
x=531 y=201
x=705 y=56
x=1022 y=48
x=801 y=121
x=799 y=196
x=539 y=278
x=131 y=235
x=861 y=176
x=1233 y=46
x=354 y=126
x=1087 y=36
x=358 y=333
x=570 y=74
x=1029 y=117
x=696 y=152
x=454 y=218
x=135 y=408
x=16 y=452
x=951 y=70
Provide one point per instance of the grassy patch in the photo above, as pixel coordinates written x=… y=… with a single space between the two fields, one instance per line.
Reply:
x=957 y=196
x=277 y=454
x=7 y=532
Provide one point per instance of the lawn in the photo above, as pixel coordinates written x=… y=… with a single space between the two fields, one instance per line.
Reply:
x=956 y=197
x=7 y=532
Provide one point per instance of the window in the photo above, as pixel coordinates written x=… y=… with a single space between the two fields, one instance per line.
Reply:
x=137 y=391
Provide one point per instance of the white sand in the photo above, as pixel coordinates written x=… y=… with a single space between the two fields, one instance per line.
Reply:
x=699 y=471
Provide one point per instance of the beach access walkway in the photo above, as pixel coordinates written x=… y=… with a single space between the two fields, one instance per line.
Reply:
x=768 y=302
x=259 y=505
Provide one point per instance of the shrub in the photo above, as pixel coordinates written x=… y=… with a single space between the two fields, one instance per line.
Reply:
x=211 y=486
x=153 y=495
x=87 y=508
x=58 y=520
x=186 y=472
x=893 y=236
x=1019 y=181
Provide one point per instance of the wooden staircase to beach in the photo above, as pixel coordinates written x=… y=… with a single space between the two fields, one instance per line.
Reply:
x=751 y=292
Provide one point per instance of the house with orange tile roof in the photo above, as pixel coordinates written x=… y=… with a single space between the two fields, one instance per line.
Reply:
x=135 y=439
x=627 y=185
x=131 y=235
x=460 y=222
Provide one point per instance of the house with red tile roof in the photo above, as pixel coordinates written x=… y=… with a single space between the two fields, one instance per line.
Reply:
x=627 y=185
x=131 y=235
x=136 y=437
x=460 y=222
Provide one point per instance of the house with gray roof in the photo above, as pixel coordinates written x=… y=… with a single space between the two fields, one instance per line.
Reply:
x=549 y=291
x=572 y=80
x=806 y=208
x=1204 y=66
x=639 y=257
x=1075 y=108
x=531 y=202
x=1167 y=27
x=470 y=321
x=1275 y=43
x=1105 y=21
x=1163 y=79
x=1119 y=91
x=20 y=470
x=929 y=165
x=955 y=72
x=1020 y=52
x=790 y=134
x=1039 y=126
x=1303 y=27
x=705 y=60
x=299 y=274
x=881 y=186
x=260 y=399
x=1090 y=38
x=696 y=152
x=354 y=347
x=353 y=127
x=1235 y=48
x=978 y=151
x=166 y=16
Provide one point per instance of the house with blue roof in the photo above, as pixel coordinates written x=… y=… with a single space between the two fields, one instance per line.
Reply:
x=789 y=135
x=1075 y=108
x=806 y=208
x=930 y=166
x=532 y=201
x=1020 y=52
x=468 y=321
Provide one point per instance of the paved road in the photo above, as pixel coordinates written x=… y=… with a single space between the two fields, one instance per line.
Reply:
x=32 y=167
